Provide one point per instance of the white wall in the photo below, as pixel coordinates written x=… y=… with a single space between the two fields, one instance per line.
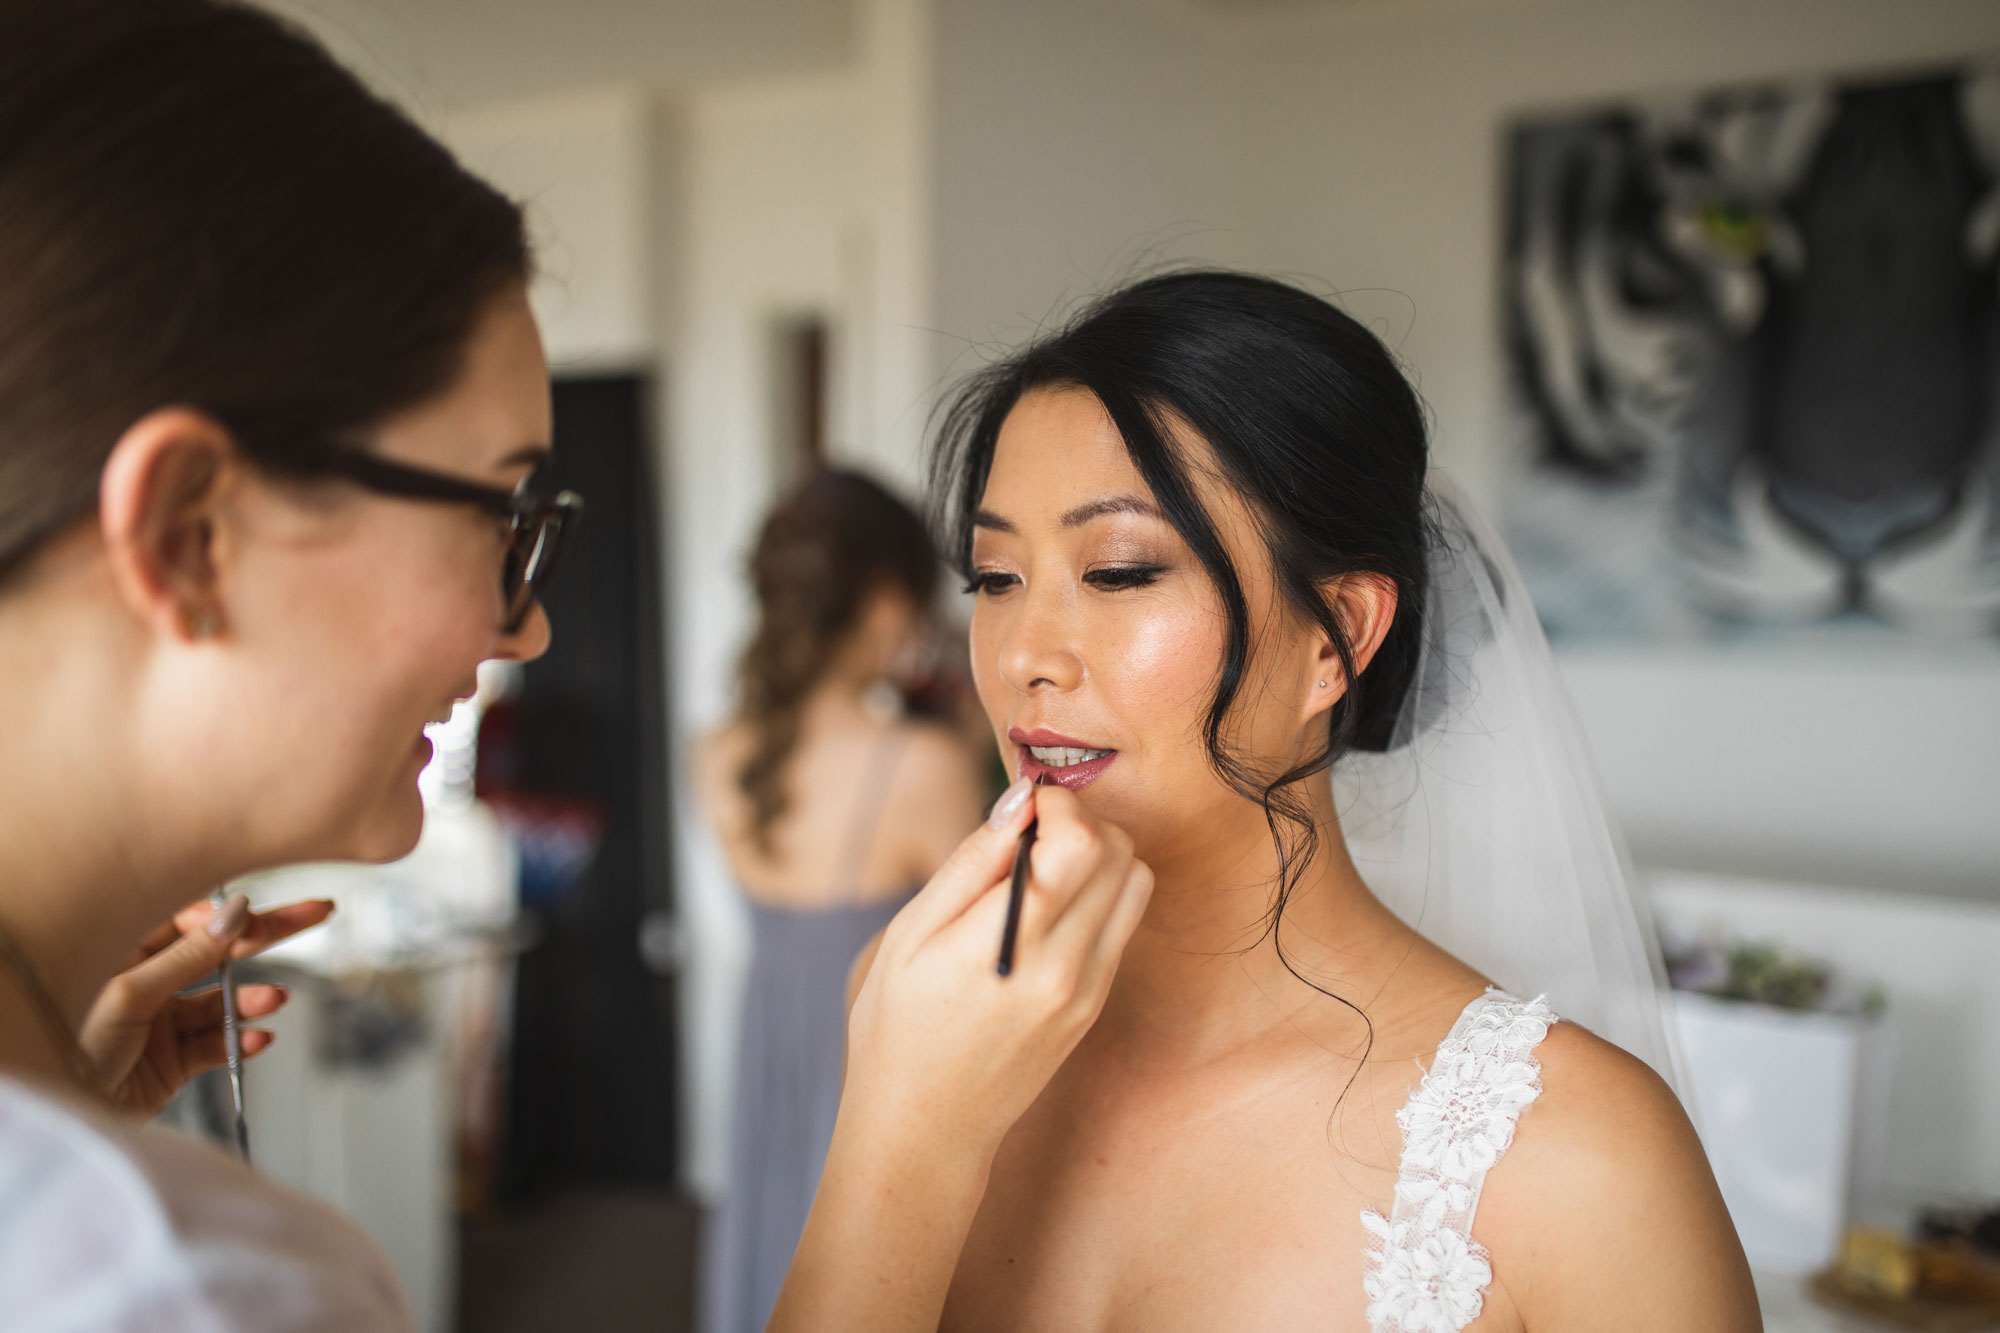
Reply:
x=1355 y=147
x=1867 y=766
x=583 y=164
x=442 y=56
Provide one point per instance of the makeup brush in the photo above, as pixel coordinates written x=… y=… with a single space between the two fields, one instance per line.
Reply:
x=1017 y=890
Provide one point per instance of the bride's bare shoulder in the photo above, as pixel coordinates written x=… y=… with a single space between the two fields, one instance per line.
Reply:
x=1605 y=1203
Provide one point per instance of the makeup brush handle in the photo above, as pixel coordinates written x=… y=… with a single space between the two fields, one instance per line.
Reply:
x=1017 y=892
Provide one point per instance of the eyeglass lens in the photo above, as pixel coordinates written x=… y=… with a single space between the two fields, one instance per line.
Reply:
x=530 y=558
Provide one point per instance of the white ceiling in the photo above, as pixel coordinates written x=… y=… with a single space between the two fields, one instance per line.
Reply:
x=439 y=55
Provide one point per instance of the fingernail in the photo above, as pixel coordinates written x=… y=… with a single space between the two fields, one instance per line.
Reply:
x=230 y=917
x=1010 y=804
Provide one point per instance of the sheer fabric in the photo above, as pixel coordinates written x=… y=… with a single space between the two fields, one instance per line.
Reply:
x=1483 y=826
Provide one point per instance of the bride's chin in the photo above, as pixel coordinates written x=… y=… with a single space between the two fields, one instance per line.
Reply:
x=1150 y=824
x=1168 y=832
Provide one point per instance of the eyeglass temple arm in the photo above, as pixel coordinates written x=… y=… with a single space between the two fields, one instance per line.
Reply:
x=388 y=478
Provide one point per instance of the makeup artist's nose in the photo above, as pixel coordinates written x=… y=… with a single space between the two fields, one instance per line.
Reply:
x=1040 y=649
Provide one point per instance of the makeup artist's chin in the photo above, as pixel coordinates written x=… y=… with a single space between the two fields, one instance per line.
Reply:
x=395 y=835
x=389 y=832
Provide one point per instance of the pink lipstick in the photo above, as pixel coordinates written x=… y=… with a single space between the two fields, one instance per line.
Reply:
x=1080 y=765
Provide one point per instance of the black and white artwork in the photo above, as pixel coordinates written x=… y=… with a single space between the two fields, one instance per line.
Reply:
x=1753 y=343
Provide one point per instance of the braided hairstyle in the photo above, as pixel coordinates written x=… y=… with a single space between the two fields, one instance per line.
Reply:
x=822 y=553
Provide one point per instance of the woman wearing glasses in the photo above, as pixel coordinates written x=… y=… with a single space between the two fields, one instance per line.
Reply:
x=272 y=406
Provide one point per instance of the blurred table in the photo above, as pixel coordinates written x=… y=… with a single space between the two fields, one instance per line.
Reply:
x=395 y=1002
x=1789 y=1308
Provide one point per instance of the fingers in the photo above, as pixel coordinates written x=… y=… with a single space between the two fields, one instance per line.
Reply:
x=982 y=860
x=209 y=1051
x=265 y=928
x=1079 y=872
x=147 y=988
x=199 y=1013
x=1079 y=863
x=281 y=923
x=161 y=936
x=1085 y=917
x=1128 y=908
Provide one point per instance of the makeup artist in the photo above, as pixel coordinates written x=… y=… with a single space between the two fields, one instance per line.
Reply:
x=271 y=409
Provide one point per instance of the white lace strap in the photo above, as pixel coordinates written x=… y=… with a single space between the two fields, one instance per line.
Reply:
x=1425 y=1272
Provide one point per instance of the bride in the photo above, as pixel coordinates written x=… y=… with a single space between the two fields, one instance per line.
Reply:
x=1208 y=570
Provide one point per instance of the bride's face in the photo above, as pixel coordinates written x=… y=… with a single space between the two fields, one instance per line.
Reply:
x=1098 y=638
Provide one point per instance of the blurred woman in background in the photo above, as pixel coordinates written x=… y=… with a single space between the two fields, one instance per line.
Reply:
x=831 y=806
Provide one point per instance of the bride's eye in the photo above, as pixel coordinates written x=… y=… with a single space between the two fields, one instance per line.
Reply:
x=989 y=581
x=1112 y=577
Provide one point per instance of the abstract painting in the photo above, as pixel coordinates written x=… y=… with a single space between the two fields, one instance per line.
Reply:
x=1753 y=353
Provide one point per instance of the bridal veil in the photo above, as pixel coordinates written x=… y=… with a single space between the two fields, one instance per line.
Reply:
x=1483 y=825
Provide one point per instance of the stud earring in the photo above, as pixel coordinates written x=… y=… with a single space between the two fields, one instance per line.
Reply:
x=198 y=622
x=1322 y=684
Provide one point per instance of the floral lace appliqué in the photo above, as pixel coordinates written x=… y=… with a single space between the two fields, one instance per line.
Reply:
x=1425 y=1272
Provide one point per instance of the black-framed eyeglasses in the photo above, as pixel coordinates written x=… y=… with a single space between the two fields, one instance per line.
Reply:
x=537 y=521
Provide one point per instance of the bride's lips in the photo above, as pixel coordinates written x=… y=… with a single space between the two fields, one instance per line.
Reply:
x=1072 y=776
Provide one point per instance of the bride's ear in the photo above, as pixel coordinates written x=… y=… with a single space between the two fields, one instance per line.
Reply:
x=1364 y=606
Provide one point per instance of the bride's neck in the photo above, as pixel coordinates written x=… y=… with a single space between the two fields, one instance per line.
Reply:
x=1206 y=971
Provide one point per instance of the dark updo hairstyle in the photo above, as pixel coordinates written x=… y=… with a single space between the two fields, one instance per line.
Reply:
x=1310 y=421
x=827 y=547
x=199 y=207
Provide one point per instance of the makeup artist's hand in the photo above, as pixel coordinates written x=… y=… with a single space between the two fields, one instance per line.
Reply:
x=146 y=1038
x=944 y=1055
x=936 y=1036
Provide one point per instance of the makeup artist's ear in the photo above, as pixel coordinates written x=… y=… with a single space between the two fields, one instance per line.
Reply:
x=1365 y=607
x=158 y=508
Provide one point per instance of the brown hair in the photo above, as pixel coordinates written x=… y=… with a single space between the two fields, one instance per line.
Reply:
x=199 y=207
x=821 y=553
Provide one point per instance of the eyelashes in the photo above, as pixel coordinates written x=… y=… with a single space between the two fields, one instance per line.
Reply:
x=1108 y=578
x=1113 y=577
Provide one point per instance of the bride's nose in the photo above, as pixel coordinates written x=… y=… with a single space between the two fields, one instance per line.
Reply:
x=1040 y=650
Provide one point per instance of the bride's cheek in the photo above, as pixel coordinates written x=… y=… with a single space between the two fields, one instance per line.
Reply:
x=1166 y=671
x=986 y=681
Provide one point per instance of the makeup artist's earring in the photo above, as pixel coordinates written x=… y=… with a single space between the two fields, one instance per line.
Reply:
x=1322 y=684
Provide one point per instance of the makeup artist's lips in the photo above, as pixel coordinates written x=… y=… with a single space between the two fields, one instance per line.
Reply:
x=1071 y=775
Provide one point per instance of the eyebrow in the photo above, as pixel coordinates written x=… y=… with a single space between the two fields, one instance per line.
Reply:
x=1080 y=515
